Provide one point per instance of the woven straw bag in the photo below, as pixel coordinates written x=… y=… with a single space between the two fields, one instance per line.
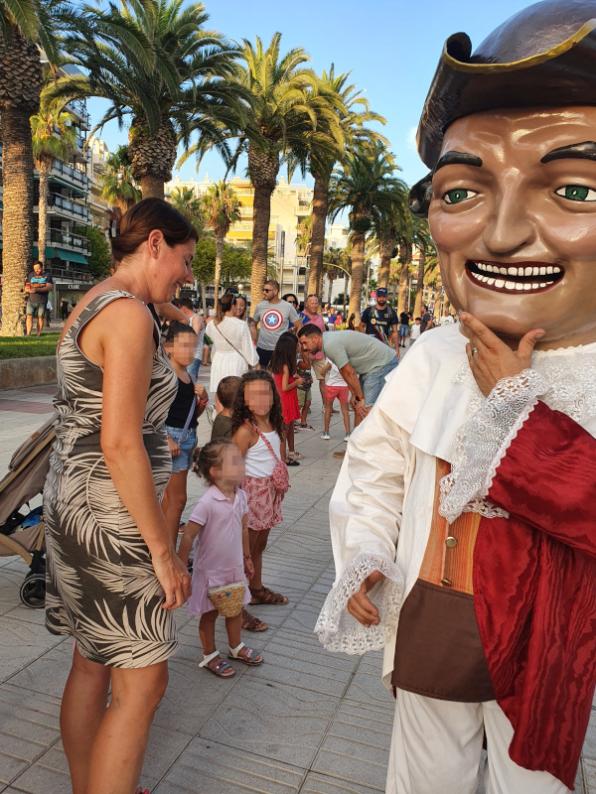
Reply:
x=228 y=599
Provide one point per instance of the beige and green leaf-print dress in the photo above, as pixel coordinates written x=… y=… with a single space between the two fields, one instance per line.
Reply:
x=101 y=587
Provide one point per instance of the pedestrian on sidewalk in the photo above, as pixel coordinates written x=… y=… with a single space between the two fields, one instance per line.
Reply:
x=257 y=426
x=233 y=352
x=363 y=361
x=283 y=367
x=221 y=558
x=335 y=388
x=181 y=424
x=197 y=324
x=274 y=316
x=113 y=575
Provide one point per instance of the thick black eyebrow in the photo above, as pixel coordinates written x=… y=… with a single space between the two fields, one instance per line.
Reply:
x=458 y=158
x=575 y=151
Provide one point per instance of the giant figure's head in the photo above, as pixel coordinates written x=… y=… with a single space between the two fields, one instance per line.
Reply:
x=509 y=134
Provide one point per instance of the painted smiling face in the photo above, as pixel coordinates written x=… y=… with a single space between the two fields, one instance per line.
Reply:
x=513 y=215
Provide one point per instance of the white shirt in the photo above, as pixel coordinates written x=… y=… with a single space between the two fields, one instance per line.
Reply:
x=333 y=376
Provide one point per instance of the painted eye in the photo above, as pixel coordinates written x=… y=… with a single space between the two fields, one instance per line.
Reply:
x=576 y=193
x=458 y=194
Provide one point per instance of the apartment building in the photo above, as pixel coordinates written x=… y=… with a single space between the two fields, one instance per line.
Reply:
x=290 y=204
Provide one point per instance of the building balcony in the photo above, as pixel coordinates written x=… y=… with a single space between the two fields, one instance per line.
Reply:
x=71 y=176
x=60 y=205
x=68 y=241
x=69 y=274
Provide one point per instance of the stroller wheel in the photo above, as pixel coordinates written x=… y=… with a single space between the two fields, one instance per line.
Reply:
x=33 y=591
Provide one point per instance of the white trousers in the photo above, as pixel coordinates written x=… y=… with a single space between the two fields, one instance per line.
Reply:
x=436 y=749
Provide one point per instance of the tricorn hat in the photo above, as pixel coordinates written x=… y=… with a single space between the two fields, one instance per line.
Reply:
x=544 y=56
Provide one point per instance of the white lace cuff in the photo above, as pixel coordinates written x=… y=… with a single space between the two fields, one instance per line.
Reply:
x=483 y=441
x=338 y=630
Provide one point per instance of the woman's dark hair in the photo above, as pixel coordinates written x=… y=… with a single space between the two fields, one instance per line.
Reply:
x=175 y=329
x=210 y=455
x=285 y=354
x=224 y=305
x=290 y=295
x=351 y=321
x=141 y=219
x=241 y=412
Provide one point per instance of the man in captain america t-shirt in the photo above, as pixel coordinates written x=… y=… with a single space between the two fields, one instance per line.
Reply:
x=274 y=316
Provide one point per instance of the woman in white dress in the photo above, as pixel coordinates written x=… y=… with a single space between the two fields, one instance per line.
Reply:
x=233 y=351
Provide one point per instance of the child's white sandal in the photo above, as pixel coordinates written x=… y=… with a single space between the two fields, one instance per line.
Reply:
x=207 y=659
x=251 y=658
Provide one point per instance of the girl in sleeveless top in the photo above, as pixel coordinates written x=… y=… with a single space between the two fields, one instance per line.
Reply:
x=257 y=429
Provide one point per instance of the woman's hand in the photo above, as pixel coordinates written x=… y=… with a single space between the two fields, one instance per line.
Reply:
x=174 y=578
x=360 y=606
x=491 y=359
x=173 y=447
x=201 y=393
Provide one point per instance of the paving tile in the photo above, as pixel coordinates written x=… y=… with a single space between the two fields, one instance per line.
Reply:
x=589 y=770
x=366 y=686
x=322 y=784
x=207 y=767
x=47 y=675
x=28 y=727
x=272 y=720
x=191 y=697
x=356 y=753
x=20 y=644
x=301 y=662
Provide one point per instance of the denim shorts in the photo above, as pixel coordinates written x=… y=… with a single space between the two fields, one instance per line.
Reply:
x=372 y=382
x=187 y=441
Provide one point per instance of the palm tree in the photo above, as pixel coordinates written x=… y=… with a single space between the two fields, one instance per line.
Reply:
x=221 y=209
x=154 y=61
x=282 y=112
x=336 y=262
x=326 y=145
x=54 y=137
x=366 y=187
x=118 y=186
x=425 y=247
x=389 y=226
x=24 y=27
x=188 y=203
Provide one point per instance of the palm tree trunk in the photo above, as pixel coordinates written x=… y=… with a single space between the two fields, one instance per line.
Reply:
x=357 y=276
x=43 y=168
x=320 y=207
x=402 y=300
x=329 y=293
x=152 y=186
x=386 y=249
x=219 y=250
x=420 y=284
x=260 y=241
x=17 y=219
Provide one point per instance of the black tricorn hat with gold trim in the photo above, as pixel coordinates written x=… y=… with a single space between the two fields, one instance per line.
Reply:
x=544 y=56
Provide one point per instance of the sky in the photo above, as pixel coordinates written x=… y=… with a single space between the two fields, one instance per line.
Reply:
x=390 y=47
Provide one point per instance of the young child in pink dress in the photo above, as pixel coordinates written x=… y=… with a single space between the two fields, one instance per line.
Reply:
x=221 y=551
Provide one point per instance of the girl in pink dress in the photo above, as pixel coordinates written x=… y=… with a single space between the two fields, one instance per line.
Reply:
x=257 y=429
x=222 y=553
x=283 y=367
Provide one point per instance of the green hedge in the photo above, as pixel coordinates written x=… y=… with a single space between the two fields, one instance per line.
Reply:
x=28 y=346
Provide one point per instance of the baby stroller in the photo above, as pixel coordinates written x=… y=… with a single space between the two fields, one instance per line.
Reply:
x=23 y=533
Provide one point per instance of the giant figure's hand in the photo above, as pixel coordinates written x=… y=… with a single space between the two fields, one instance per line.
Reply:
x=360 y=606
x=490 y=358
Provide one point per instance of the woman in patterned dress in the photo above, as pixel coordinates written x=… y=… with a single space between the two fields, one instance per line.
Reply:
x=113 y=575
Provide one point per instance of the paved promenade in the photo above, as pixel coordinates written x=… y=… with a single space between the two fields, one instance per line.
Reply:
x=306 y=721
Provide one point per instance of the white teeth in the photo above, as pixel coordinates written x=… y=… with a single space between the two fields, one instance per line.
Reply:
x=528 y=286
x=490 y=282
x=543 y=285
x=543 y=271
x=519 y=287
x=536 y=271
x=528 y=271
x=499 y=283
x=509 y=285
x=550 y=270
x=512 y=271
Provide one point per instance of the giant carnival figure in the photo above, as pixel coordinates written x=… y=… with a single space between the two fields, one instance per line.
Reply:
x=464 y=518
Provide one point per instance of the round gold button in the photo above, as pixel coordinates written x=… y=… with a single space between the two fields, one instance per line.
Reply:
x=451 y=542
x=446 y=582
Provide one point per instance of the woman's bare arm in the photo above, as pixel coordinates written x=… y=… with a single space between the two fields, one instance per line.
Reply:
x=191 y=530
x=244 y=438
